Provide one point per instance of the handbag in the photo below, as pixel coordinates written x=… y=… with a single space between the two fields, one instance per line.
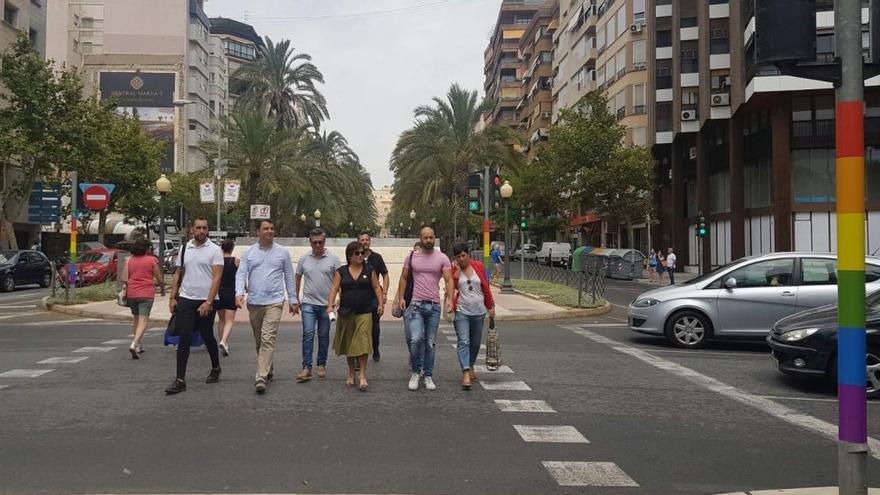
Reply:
x=121 y=297
x=493 y=347
x=171 y=330
x=410 y=283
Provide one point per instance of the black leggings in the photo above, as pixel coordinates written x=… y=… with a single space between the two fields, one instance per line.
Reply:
x=187 y=321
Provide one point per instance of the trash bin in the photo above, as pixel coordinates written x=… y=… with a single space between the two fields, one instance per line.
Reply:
x=625 y=264
x=577 y=258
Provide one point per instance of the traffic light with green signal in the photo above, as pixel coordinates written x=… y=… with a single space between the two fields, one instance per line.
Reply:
x=523 y=222
x=702 y=228
x=473 y=194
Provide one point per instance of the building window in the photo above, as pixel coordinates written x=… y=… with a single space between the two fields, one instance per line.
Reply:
x=639 y=136
x=664 y=39
x=689 y=61
x=240 y=50
x=664 y=76
x=620 y=105
x=757 y=183
x=638 y=97
x=620 y=60
x=719 y=84
x=33 y=37
x=872 y=174
x=600 y=39
x=622 y=26
x=639 y=12
x=717 y=2
x=688 y=22
x=546 y=57
x=611 y=31
x=639 y=54
x=610 y=69
x=813 y=175
x=719 y=42
x=689 y=97
x=10 y=13
x=825 y=47
x=719 y=192
x=664 y=116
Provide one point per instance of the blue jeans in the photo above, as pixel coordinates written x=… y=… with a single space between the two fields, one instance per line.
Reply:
x=315 y=317
x=422 y=320
x=469 y=329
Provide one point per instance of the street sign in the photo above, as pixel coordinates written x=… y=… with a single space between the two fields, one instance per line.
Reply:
x=260 y=212
x=44 y=205
x=218 y=233
x=96 y=197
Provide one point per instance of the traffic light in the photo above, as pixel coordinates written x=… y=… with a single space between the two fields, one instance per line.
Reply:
x=523 y=223
x=702 y=229
x=473 y=194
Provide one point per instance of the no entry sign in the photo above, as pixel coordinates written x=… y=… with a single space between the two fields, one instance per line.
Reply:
x=96 y=197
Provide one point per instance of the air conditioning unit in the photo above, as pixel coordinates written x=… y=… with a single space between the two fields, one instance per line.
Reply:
x=720 y=100
x=688 y=115
x=692 y=153
x=635 y=28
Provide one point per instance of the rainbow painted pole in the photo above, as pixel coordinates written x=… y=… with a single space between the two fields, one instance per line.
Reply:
x=850 y=144
x=71 y=274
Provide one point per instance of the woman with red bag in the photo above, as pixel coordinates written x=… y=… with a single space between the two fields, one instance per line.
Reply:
x=472 y=301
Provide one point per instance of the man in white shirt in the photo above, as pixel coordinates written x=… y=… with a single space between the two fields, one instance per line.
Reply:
x=193 y=294
x=670 y=265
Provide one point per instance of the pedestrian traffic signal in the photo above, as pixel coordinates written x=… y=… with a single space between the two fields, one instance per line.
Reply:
x=473 y=194
x=523 y=223
x=474 y=205
x=702 y=229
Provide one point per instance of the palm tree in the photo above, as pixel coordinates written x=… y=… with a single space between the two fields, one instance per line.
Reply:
x=284 y=82
x=432 y=159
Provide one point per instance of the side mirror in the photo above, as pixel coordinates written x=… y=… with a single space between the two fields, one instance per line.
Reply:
x=730 y=283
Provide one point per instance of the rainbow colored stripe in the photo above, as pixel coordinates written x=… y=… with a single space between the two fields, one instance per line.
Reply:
x=851 y=372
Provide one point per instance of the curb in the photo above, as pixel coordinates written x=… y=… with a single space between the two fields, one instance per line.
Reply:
x=825 y=490
x=87 y=313
x=556 y=315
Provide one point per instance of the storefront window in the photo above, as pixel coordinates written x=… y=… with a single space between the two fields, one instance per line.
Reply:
x=813 y=175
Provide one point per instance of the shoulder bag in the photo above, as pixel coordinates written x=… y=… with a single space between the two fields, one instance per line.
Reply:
x=407 y=293
x=171 y=330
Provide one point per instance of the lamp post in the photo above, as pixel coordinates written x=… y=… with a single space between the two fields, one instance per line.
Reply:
x=303 y=218
x=506 y=191
x=401 y=229
x=412 y=219
x=351 y=227
x=317 y=218
x=163 y=185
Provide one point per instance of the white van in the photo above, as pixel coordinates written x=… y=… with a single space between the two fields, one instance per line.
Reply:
x=558 y=252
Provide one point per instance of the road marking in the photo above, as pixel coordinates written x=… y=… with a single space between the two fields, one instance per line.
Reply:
x=791 y=416
x=809 y=399
x=527 y=406
x=451 y=339
x=19 y=315
x=65 y=322
x=479 y=368
x=511 y=385
x=156 y=329
x=572 y=473
x=117 y=342
x=94 y=349
x=63 y=360
x=606 y=325
x=3 y=386
x=6 y=306
x=550 y=434
x=709 y=353
x=23 y=373
x=482 y=346
x=20 y=295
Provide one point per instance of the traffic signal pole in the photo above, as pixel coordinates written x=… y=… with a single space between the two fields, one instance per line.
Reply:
x=486 y=224
x=852 y=452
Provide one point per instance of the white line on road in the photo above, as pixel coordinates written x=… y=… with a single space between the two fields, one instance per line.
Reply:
x=568 y=473
x=63 y=322
x=156 y=329
x=528 y=406
x=94 y=349
x=482 y=346
x=479 y=368
x=3 y=386
x=550 y=434
x=21 y=295
x=19 y=315
x=7 y=306
x=774 y=409
x=809 y=399
x=511 y=385
x=23 y=373
x=117 y=342
x=63 y=360
x=451 y=338
x=764 y=355
x=605 y=325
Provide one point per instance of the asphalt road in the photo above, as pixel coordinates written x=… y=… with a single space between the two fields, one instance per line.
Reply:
x=624 y=413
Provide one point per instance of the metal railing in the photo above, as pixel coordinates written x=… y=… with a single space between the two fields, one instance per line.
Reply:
x=590 y=282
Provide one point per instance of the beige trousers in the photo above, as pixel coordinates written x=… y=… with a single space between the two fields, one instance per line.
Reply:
x=264 y=323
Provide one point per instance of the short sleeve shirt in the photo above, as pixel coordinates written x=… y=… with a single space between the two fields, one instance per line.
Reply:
x=670 y=260
x=317 y=276
x=427 y=270
x=377 y=263
x=198 y=274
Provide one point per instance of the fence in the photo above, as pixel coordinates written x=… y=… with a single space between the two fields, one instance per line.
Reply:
x=590 y=282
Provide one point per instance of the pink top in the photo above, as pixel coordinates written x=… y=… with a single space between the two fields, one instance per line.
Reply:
x=140 y=277
x=427 y=270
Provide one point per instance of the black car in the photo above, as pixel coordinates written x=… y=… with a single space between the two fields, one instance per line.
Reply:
x=805 y=343
x=23 y=268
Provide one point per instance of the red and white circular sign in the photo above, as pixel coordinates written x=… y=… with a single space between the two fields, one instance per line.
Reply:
x=96 y=198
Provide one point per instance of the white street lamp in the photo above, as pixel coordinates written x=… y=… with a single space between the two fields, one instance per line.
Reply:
x=163 y=185
x=506 y=191
x=317 y=218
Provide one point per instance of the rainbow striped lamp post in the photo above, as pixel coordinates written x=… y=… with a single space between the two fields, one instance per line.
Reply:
x=850 y=145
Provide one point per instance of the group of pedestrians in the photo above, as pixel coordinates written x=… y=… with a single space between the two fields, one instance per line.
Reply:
x=661 y=267
x=209 y=282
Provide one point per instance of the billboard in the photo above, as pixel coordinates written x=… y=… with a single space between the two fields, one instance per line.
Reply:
x=149 y=96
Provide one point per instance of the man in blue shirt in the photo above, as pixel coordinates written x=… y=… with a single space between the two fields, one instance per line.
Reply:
x=264 y=273
x=495 y=258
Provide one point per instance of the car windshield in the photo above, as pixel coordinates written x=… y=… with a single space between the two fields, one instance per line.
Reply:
x=6 y=257
x=94 y=258
x=707 y=276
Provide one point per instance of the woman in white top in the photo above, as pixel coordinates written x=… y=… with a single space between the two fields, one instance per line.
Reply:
x=472 y=301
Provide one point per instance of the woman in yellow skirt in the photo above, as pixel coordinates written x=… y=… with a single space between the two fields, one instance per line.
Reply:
x=357 y=285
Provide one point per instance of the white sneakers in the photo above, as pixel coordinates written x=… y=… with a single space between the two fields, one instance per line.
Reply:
x=429 y=383
x=414 y=381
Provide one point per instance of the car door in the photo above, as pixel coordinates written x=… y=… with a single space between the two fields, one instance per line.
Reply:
x=763 y=292
x=34 y=268
x=818 y=282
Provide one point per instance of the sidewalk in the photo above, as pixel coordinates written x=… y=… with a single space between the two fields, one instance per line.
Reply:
x=509 y=307
x=680 y=278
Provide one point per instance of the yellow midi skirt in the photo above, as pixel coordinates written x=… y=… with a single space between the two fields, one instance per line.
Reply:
x=354 y=335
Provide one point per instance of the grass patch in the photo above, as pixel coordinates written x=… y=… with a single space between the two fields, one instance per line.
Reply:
x=93 y=293
x=560 y=295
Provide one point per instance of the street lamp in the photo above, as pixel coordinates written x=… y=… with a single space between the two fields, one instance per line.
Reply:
x=506 y=191
x=351 y=227
x=163 y=185
x=317 y=218
x=412 y=219
x=401 y=229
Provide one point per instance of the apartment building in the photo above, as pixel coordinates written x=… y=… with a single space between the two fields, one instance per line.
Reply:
x=148 y=55
x=748 y=146
x=535 y=107
x=503 y=66
x=241 y=44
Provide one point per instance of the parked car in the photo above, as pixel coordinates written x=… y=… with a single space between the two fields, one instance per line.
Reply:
x=531 y=252
x=805 y=344
x=24 y=267
x=94 y=267
x=170 y=259
x=559 y=253
x=743 y=299
x=169 y=245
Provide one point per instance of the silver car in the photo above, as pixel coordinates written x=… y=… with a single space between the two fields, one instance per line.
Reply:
x=742 y=299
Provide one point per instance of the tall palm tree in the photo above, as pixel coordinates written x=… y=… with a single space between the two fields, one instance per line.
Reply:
x=284 y=82
x=432 y=159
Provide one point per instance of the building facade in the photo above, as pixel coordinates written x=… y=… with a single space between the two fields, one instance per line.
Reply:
x=535 y=107
x=751 y=148
x=383 y=199
x=241 y=45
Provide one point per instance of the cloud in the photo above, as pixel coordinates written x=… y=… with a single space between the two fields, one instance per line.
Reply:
x=378 y=67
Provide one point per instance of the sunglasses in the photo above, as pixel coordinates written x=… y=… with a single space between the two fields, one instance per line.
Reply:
x=470 y=285
x=359 y=253
x=317 y=243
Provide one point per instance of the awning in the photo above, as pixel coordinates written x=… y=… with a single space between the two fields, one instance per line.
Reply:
x=585 y=219
x=576 y=19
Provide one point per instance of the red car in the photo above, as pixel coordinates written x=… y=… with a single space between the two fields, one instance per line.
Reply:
x=94 y=267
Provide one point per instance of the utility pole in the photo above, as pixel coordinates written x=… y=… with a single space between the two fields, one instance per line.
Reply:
x=71 y=274
x=486 y=224
x=852 y=452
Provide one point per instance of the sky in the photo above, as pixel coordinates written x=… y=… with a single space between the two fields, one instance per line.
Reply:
x=380 y=58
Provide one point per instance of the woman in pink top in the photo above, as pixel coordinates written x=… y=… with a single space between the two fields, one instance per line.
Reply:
x=141 y=271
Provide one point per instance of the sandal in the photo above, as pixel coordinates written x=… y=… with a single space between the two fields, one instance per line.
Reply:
x=349 y=382
x=364 y=386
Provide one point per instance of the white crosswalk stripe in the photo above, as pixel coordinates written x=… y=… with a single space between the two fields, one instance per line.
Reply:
x=527 y=406
x=3 y=386
x=511 y=385
x=451 y=339
x=63 y=360
x=550 y=434
x=24 y=373
x=94 y=349
x=573 y=473
x=480 y=368
x=117 y=342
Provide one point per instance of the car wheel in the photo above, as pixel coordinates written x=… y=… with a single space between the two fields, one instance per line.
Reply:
x=873 y=362
x=688 y=329
x=46 y=280
x=9 y=283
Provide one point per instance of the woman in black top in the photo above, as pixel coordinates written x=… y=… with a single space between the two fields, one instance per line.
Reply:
x=357 y=286
x=226 y=306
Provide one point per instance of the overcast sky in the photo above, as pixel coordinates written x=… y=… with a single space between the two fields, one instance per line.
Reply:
x=380 y=58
